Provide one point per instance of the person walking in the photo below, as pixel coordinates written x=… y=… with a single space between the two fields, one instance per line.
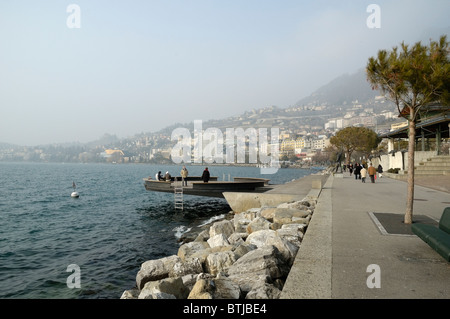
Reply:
x=380 y=171
x=363 y=174
x=184 y=174
x=357 y=171
x=205 y=175
x=372 y=171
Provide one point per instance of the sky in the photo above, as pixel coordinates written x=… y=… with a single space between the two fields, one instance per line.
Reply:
x=73 y=73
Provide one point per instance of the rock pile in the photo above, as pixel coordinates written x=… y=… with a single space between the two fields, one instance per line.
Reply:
x=248 y=256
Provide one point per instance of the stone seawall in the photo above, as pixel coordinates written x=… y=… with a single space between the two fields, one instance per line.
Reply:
x=248 y=255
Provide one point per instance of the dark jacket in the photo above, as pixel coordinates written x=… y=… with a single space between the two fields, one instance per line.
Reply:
x=205 y=175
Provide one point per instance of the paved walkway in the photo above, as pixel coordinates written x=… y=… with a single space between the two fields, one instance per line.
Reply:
x=344 y=239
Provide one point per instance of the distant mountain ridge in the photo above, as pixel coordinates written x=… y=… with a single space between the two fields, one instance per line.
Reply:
x=342 y=90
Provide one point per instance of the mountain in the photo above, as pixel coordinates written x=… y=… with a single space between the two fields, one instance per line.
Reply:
x=342 y=91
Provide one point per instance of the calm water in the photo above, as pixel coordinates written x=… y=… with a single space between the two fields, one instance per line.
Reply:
x=108 y=232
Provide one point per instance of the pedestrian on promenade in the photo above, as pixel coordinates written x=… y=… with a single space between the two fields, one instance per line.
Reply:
x=380 y=171
x=350 y=168
x=372 y=171
x=363 y=174
x=357 y=171
x=205 y=175
x=184 y=174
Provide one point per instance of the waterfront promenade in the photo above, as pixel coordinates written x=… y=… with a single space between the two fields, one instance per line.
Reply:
x=358 y=226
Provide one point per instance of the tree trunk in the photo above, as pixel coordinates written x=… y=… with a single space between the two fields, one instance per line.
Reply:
x=411 y=151
x=348 y=154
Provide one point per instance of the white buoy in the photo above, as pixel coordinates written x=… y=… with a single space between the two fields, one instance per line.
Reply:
x=75 y=195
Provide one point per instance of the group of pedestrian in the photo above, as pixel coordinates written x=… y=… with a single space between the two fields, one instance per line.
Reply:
x=360 y=171
x=184 y=174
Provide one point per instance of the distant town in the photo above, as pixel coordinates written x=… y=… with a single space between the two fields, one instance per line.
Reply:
x=304 y=134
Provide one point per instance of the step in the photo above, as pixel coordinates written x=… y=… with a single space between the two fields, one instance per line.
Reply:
x=444 y=159
x=439 y=172
x=435 y=164
x=431 y=168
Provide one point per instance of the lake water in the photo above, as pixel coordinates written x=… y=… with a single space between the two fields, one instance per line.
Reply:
x=113 y=227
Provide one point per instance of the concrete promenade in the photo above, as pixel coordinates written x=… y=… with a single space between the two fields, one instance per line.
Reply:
x=358 y=225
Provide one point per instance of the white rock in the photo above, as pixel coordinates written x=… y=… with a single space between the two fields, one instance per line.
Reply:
x=218 y=240
x=170 y=286
x=152 y=270
x=259 y=223
x=240 y=222
x=236 y=239
x=260 y=237
x=218 y=262
x=189 y=266
x=185 y=251
x=223 y=227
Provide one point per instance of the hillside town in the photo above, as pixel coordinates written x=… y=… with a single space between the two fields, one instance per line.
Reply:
x=304 y=132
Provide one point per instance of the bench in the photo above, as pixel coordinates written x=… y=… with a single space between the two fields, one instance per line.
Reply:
x=437 y=238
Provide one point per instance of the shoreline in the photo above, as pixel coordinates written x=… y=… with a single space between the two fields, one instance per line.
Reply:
x=244 y=255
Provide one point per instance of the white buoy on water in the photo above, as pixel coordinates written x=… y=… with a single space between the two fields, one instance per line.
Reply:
x=74 y=193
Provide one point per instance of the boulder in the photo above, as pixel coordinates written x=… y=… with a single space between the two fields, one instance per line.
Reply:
x=264 y=291
x=237 y=239
x=130 y=294
x=220 y=261
x=268 y=213
x=189 y=280
x=260 y=265
x=285 y=215
x=189 y=266
x=203 y=289
x=152 y=270
x=291 y=234
x=218 y=240
x=223 y=227
x=242 y=249
x=240 y=222
x=259 y=223
x=164 y=288
x=296 y=226
x=260 y=237
x=287 y=249
x=203 y=235
x=246 y=281
x=187 y=250
x=203 y=254
x=226 y=288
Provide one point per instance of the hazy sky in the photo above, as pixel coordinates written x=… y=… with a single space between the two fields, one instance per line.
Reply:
x=139 y=66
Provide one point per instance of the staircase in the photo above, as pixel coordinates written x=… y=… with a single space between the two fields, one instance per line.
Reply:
x=439 y=165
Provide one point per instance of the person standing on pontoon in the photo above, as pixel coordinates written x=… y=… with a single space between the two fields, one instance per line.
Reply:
x=184 y=174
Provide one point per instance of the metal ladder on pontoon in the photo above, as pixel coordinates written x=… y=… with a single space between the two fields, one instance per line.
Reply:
x=178 y=194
